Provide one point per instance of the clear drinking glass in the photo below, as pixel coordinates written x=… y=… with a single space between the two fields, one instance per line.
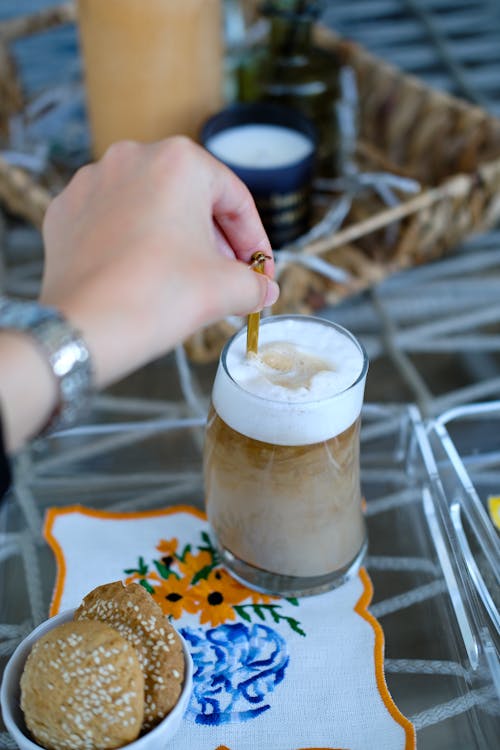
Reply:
x=281 y=460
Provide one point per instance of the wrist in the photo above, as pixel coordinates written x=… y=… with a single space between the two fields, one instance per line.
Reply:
x=28 y=388
x=51 y=363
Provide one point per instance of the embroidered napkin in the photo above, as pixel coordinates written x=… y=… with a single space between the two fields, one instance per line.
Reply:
x=270 y=673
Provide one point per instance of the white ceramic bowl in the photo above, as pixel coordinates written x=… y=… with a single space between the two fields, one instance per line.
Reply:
x=13 y=715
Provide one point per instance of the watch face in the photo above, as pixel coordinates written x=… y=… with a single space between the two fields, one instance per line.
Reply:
x=23 y=314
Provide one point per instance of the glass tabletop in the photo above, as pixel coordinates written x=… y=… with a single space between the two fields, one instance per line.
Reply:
x=139 y=454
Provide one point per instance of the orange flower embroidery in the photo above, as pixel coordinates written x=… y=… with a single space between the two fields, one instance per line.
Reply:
x=194 y=582
x=216 y=596
x=174 y=595
x=168 y=549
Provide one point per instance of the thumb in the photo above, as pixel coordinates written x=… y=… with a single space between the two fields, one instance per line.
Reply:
x=243 y=290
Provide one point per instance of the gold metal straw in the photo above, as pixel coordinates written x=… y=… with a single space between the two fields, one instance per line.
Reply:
x=257 y=263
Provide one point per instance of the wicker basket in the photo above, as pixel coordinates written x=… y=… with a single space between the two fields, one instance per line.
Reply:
x=19 y=192
x=449 y=146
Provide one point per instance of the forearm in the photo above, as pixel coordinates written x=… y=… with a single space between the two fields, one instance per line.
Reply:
x=141 y=250
x=28 y=389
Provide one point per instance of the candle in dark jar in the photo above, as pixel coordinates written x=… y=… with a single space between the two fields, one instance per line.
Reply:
x=272 y=149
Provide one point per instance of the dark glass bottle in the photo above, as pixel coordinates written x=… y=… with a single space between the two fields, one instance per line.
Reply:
x=291 y=71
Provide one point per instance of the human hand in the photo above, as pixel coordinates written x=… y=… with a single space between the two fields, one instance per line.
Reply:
x=148 y=245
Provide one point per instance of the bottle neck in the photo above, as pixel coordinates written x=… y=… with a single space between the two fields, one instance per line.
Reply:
x=290 y=37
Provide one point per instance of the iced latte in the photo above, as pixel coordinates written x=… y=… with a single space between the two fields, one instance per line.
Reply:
x=282 y=456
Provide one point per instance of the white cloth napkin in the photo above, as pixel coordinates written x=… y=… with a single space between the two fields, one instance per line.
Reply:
x=270 y=673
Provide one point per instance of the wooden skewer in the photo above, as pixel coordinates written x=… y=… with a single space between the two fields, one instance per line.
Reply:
x=257 y=263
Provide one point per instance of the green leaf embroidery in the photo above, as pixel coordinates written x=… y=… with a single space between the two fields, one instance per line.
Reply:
x=274 y=614
x=208 y=546
x=241 y=612
x=202 y=575
x=293 y=600
x=185 y=551
x=261 y=609
x=295 y=625
x=164 y=571
x=147 y=586
x=258 y=611
x=142 y=568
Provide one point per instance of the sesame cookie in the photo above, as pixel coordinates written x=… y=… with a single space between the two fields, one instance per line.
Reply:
x=140 y=620
x=82 y=688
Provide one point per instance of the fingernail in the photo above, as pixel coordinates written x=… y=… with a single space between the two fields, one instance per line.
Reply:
x=272 y=293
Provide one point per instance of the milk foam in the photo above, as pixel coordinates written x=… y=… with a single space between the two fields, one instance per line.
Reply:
x=252 y=397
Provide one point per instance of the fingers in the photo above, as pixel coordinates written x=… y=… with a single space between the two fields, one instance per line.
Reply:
x=237 y=217
x=239 y=290
x=238 y=227
x=272 y=292
x=222 y=244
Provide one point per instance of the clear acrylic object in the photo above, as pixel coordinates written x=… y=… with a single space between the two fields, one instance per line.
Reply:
x=465 y=469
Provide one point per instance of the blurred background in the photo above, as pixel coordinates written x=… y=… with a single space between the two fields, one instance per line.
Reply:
x=432 y=331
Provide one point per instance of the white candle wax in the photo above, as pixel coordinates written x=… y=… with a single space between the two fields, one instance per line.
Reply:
x=260 y=146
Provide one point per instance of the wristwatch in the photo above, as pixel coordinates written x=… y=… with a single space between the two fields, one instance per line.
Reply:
x=64 y=349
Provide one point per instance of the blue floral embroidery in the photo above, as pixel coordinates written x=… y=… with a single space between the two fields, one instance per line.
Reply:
x=236 y=667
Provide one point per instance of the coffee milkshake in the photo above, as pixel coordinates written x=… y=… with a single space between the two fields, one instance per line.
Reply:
x=282 y=456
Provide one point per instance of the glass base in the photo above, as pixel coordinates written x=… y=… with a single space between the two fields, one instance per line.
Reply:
x=288 y=586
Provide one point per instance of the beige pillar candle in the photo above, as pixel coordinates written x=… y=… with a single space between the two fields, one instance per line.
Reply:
x=153 y=68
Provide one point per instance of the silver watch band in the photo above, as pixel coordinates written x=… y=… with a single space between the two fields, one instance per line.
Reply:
x=65 y=350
